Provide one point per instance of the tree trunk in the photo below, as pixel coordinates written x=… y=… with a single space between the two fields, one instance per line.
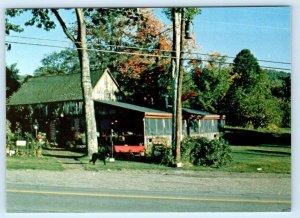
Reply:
x=89 y=110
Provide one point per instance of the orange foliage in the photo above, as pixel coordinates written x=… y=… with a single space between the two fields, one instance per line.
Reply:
x=147 y=34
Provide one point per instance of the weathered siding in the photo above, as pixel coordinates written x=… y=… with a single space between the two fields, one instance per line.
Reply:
x=105 y=88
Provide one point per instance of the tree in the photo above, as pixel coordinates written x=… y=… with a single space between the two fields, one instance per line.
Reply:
x=250 y=101
x=280 y=83
x=12 y=80
x=212 y=82
x=144 y=80
x=41 y=18
x=63 y=62
x=149 y=77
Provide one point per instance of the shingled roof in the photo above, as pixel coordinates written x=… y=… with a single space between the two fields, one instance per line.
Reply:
x=47 y=89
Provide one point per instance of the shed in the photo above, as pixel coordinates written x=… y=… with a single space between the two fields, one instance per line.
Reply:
x=132 y=124
x=201 y=123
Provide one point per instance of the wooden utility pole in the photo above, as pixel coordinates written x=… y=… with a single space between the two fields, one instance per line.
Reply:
x=177 y=74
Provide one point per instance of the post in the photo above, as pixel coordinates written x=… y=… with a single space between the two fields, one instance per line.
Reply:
x=112 y=159
x=177 y=73
x=179 y=92
x=175 y=69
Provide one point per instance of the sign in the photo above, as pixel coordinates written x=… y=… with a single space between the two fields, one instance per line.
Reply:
x=21 y=143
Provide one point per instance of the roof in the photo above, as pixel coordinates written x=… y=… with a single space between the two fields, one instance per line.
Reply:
x=53 y=88
x=201 y=114
x=149 y=112
x=196 y=112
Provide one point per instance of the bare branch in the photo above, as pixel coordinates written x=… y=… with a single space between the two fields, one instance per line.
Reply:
x=64 y=26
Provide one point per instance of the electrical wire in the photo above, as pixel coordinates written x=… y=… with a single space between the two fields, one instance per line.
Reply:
x=147 y=49
x=132 y=53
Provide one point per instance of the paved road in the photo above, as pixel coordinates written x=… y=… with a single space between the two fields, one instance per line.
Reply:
x=39 y=198
x=62 y=199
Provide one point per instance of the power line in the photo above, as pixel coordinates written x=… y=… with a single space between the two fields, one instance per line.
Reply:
x=132 y=53
x=147 y=49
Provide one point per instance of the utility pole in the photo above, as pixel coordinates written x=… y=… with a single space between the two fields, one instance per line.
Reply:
x=177 y=77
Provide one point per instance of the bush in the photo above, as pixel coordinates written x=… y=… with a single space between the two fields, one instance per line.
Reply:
x=160 y=153
x=205 y=152
x=10 y=136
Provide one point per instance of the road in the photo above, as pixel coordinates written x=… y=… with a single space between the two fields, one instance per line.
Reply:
x=43 y=198
x=77 y=190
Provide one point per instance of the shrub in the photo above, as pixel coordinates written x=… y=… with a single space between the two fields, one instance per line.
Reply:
x=205 y=152
x=10 y=136
x=160 y=153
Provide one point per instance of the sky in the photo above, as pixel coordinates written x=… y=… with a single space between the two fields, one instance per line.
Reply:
x=266 y=31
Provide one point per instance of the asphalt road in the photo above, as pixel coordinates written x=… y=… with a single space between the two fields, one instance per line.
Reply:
x=40 y=198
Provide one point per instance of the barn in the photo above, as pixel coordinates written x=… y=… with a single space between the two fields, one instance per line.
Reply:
x=54 y=104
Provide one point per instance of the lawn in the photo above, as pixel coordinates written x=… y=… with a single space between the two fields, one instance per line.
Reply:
x=260 y=158
x=136 y=163
x=41 y=163
x=245 y=158
x=264 y=158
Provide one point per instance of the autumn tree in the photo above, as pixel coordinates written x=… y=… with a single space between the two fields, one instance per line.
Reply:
x=143 y=79
x=148 y=76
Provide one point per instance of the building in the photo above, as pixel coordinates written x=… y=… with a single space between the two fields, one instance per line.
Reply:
x=55 y=105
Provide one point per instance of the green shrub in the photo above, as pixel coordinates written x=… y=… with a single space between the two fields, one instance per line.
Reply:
x=205 y=152
x=160 y=153
x=10 y=136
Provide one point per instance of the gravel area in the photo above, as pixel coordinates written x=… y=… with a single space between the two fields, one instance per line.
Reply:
x=181 y=181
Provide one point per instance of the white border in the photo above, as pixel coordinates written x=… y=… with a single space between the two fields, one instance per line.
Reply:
x=164 y=3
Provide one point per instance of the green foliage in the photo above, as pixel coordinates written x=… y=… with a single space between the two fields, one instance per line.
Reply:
x=205 y=152
x=190 y=12
x=9 y=13
x=12 y=80
x=63 y=62
x=249 y=101
x=280 y=83
x=212 y=83
x=10 y=136
x=161 y=153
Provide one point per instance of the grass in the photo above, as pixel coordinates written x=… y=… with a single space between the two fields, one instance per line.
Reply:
x=265 y=158
x=40 y=163
x=259 y=158
x=269 y=158
x=138 y=163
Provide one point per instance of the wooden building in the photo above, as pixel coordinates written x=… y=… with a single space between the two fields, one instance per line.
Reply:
x=55 y=104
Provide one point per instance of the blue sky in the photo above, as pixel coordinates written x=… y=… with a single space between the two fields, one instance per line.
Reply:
x=266 y=31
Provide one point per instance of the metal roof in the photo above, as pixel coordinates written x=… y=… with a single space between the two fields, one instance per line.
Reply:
x=196 y=112
x=132 y=107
